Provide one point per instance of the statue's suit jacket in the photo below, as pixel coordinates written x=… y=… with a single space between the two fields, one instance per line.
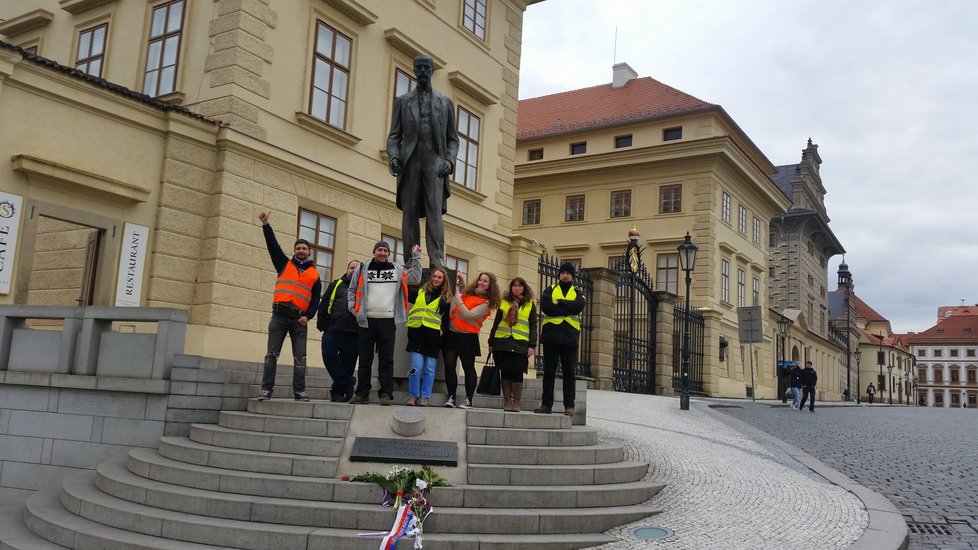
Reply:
x=403 y=138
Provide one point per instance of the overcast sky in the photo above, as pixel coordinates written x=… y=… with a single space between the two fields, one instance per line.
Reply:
x=888 y=90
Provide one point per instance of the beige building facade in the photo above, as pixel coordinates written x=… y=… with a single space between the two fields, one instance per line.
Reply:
x=593 y=163
x=140 y=174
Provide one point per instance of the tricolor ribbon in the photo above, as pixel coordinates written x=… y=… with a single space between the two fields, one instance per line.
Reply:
x=403 y=522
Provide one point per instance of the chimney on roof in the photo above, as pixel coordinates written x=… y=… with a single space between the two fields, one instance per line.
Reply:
x=621 y=73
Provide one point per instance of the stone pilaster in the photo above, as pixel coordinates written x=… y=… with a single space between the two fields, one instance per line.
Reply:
x=664 y=347
x=603 y=326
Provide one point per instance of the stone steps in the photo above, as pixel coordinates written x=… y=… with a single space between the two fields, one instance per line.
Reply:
x=287 y=425
x=220 y=436
x=185 y=450
x=573 y=474
x=601 y=453
x=149 y=464
x=519 y=437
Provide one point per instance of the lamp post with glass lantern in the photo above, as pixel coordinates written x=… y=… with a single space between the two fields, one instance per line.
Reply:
x=783 y=324
x=858 y=355
x=889 y=381
x=687 y=261
x=906 y=384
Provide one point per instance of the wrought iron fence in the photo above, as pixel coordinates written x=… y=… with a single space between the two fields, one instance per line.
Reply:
x=635 y=316
x=549 y=269
x=696 y=325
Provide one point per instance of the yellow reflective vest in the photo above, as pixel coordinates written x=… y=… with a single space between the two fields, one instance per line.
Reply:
x=424 y=313
x=558 y=294
x=519 y=331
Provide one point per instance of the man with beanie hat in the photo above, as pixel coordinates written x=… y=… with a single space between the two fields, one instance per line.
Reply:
x=561 y=306
x=378 y=298
x=295 y=302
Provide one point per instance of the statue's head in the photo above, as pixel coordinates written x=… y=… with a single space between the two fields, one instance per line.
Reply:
x=423 y=67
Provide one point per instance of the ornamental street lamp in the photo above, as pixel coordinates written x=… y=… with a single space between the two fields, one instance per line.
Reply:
x=889 y=381
x=906 y=384
x=880 y=358
x=858 y=355
x=783 y=324
x=687 y=261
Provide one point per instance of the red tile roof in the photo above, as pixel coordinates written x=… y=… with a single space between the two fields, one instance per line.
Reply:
x=956 y=328
x=601 y=106
x=864 y=311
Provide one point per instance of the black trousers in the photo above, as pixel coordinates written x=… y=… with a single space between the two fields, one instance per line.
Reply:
x=806 y=392
x=511 y=365
x=379 y=336
x=871 y=399
x=450 y=357
x=340 y=352
x=567 y=357
x=280 y=325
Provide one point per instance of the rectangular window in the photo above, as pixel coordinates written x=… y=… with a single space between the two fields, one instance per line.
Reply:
x=670 y=199
x=397 y=248
x=320 y=230
x=403 y=83
x=725 y=281
x=670 y=134
x=91 y=50
x=534 y=154
x=954 y=353
x=163 y=52
x=972 y=377
x=467 y=160
x=970 y=353
x=623 y=141
x=938 y=375
x=456 y=263
x=574 y=208
x=756 y=292
x=757 y=231
x=576 y=262
x=616 y=263
x=578 y=148
x=531 y=212
x=621 y=203
x=955 y=376
x=474 y=17
x=742 y=219
x=921 y=353
x=725 y=207
x=330 y=76
x=741 y=288
x=667 y=272
x=938 y=353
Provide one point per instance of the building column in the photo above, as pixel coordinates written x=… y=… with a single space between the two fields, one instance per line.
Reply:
x=603 y=298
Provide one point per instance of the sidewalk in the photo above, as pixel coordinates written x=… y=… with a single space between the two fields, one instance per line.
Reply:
x=731 y=486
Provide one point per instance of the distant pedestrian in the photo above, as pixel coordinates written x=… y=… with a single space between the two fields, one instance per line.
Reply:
x=870 y=392
x=845 y=394
x=808 y=381
x=794 y=386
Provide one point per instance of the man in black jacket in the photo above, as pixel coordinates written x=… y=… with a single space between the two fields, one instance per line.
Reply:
x=339 y=328
x=808 y=381
x=561 y=306
x=296 y=300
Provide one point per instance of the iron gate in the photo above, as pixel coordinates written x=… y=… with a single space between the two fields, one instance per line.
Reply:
x=549 y=270
x=696 y=325
x=635 y=315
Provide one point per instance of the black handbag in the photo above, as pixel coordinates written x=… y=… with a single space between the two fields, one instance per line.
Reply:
x=489 y=382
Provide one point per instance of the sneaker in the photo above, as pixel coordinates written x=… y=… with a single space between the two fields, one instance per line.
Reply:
x=302 y=396
x=467 y=404
x=360 y=400
x=450 y=404
x=422 y=401
x=410 y=401
x=385 y=400
x=264 y=395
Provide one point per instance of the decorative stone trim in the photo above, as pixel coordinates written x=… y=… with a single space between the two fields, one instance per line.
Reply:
x=328 y=131
x=354 y=10
x=75 y=7
x=402 y=42
x=71 y=177
x=27 y=22
x=472 y=88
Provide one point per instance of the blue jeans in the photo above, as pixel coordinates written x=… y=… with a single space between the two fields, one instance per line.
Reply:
x=421 y=377
x=795 y=396
x=340 y=352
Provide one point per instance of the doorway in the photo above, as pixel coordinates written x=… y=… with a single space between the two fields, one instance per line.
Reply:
x=65 y=263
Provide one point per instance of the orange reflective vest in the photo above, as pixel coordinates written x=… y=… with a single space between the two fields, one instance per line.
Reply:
x=294 y=287
x=471 y=301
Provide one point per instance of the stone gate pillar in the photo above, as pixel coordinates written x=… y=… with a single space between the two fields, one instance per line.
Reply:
x=603 y=326
x=665 y=320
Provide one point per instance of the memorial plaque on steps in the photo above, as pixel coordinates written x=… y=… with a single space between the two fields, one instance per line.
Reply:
x=411 y=451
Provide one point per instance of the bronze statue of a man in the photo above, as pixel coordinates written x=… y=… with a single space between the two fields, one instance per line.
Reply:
x=422 y=146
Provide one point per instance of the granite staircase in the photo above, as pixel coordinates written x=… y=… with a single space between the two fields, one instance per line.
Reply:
x=268 y=477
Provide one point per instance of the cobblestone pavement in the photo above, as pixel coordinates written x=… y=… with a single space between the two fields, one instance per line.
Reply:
x=723 y=489
x=925 y=460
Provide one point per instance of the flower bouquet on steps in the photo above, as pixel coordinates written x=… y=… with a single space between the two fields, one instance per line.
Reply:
x=404 y=489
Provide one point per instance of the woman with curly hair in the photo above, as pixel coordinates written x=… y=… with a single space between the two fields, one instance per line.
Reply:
x=470 y=309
